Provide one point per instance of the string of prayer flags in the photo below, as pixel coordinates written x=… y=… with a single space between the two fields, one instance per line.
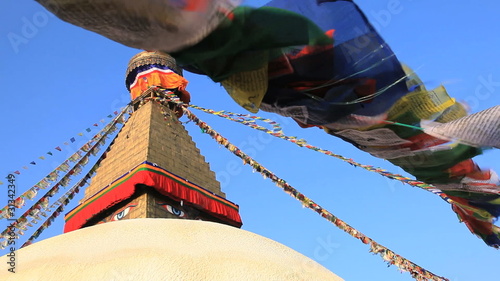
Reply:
x=389 y=256
x=415 y=270
x=42 y=184
x=64 y=200
x=72 y=140
x=76 y=156
x=41 y=207
x=79 y=158
x=479 y=218
x=60 y=204
x=50 y=218
x=64 y=167
x=278 y=132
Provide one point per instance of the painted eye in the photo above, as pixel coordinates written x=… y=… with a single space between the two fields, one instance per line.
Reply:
x=174 y=211
x=122 y=213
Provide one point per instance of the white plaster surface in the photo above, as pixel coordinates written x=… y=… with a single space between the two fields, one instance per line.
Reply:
x=162 y=249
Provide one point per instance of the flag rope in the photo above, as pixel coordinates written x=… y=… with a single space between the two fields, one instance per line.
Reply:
x=20 y=224
x=388 y=255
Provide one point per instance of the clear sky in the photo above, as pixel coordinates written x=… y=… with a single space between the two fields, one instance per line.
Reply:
x=60 y=79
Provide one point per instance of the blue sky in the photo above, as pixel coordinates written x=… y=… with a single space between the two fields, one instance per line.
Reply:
x=58 y=80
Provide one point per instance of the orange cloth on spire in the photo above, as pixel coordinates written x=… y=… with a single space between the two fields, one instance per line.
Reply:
x=164 y=78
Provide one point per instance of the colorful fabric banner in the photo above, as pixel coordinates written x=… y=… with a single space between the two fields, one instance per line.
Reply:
x=158 y=25
x=164 y=182
x=481 y=213
x=277 y=131
x=481 y=129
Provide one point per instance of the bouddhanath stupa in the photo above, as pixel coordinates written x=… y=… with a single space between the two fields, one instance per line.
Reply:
x=320 y=63
x=154 y=169
x=154 y=209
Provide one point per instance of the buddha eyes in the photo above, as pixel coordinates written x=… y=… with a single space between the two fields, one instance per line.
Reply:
x=120 y=215
x=173 y=210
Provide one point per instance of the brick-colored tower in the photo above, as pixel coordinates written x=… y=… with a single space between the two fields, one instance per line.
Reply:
x=153 y=169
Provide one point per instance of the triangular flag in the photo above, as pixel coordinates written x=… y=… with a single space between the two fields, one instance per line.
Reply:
x=24 y=167
x=17 y=172
x=58 y=148
x=64 y=181
x=66 y=143
x=77 y=170
x=33 y=163
x=116 y=112
x=75 y=156
x=80 y=134
x=19 y=202
x=95 y=124
x=1 y=182
x=50 y=153
x=110 y=116
x=72 y=139
x=102 y=121
x=86 y=147
x=31 y=193
x=84 y=160
x=52 y=176
x=88 y=130
x=41 y=157
x=63 y=167
x=43 y=184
